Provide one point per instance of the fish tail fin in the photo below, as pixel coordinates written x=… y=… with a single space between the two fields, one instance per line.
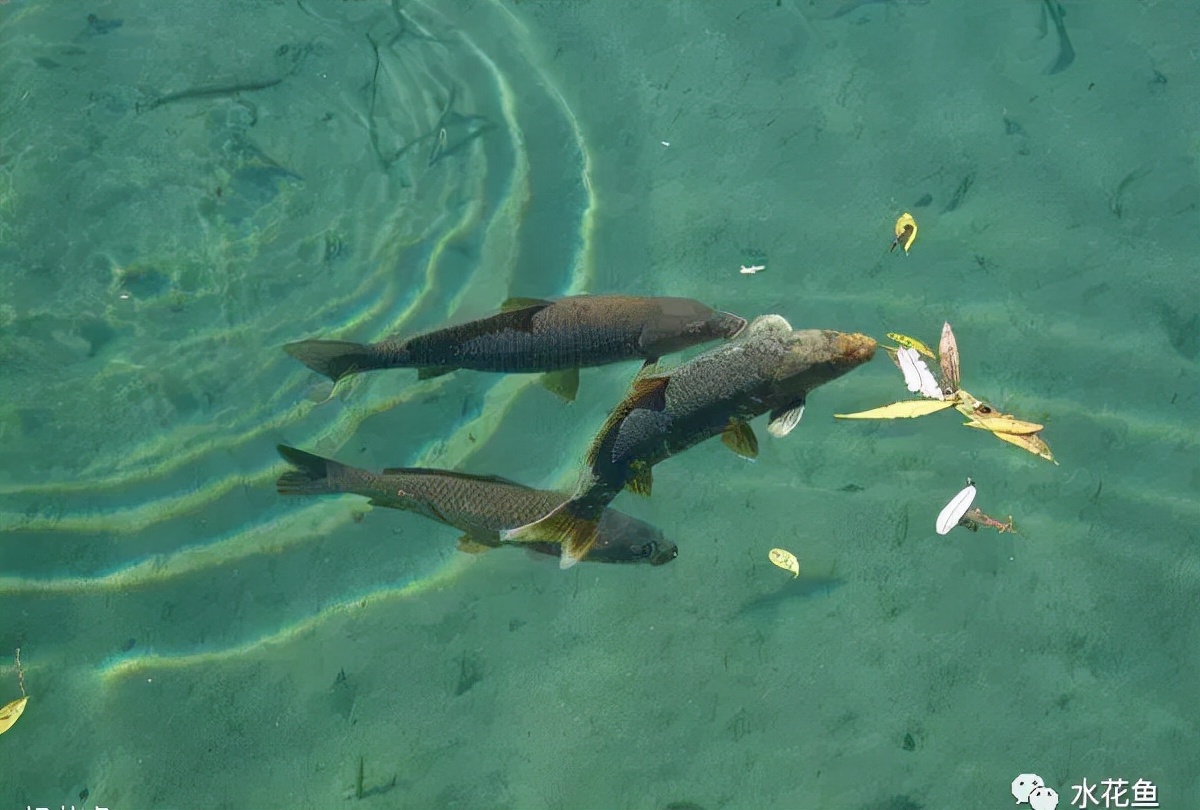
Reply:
x=572 y=526
x=333 y=358
x=310 y=474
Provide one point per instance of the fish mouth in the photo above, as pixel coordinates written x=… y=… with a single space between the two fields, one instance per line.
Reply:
x=730 y=325
x=856 y=348
x=664 y=553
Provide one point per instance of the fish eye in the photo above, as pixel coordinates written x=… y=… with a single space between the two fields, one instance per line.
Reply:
x=647 y=550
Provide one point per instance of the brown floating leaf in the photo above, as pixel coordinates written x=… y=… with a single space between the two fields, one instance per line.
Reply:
x=1031 y=442
x=1004 y=424
x=948 y=357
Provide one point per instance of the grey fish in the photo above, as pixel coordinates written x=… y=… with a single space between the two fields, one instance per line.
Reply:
x=480 y=506
x=556 y=338
x=1066 y=53
x=769 y=368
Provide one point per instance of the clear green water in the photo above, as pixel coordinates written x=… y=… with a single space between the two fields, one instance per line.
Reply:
x=182 y=193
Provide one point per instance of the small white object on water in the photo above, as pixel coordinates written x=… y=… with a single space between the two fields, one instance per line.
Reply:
x=917 y=375
x=665 y=143
x=752 y=269
x=953 y=511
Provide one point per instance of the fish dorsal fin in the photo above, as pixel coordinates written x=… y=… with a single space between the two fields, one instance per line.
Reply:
x=784 y=420
x=643 y=479
x=739 y=437
x=518 y=313
x=564 y=383
x=646 y=393
x=513 y=304
x=648 y=368
x=491 y=479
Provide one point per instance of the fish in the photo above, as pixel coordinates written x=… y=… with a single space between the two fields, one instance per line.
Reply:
x=769 y=368
x=479 y=506
x=1066 y=53
x=534 y=335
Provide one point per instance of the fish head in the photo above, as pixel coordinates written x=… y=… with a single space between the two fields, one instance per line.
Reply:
x=681 y=323
x=625 y=539
x=813 y=357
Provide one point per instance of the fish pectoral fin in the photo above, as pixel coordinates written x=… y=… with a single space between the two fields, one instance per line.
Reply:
x=474 y=545
x=574 y=532
x=429 y=372
x=643 y=479
x=513 y=304
x=564 y=384
x=784 y=420
x=739 y=437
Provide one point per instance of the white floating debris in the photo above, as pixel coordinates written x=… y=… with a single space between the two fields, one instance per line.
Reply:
x=917 y=375
x=958 y=506
x=665 y=143
x=752 y=269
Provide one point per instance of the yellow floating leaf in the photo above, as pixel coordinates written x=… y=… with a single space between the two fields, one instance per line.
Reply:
x=908 y=409
x=785 y=559
x=1031 y=442
x=1004 y=424
x=911 y=343
x=10 y=713
x=906 y=232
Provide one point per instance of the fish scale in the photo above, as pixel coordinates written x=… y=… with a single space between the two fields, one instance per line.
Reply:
x=719 y=377
x=515 y=351
x=462 y=502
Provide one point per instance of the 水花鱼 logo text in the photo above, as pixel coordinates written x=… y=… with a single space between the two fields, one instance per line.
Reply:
x=1031 y=789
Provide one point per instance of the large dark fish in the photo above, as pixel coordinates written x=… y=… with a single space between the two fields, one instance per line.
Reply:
x=769 y=367
x=479 y=506
x=533 y=335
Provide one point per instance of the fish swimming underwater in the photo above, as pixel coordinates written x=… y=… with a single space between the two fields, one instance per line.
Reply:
x=768 y=368
x=479 y=506
x=555 y=338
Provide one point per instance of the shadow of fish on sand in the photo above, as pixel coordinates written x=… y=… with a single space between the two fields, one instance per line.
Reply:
x=794 y=590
